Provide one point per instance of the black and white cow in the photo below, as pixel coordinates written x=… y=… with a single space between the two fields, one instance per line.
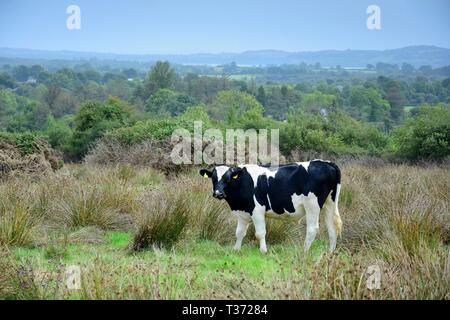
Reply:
x=295 y=190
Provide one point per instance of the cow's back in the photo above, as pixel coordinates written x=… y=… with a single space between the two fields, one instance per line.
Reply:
x=276 y=190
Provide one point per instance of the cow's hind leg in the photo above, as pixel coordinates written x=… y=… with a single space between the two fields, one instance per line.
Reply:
x=312 y=221
x=329 y=208
x=241 y=231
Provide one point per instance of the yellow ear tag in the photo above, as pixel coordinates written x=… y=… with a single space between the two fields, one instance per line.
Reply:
x=235 y=177
x=205 y=176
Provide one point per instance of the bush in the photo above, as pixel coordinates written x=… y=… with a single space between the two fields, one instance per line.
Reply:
x=168 y=103
x=153 y=129
x=149 y=153
x=337 y=134
x=93 y=120
x=59 y=133
x=25 y=153
x=425 y=136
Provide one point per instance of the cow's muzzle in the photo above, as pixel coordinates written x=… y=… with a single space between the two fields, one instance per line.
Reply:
x=218 y=195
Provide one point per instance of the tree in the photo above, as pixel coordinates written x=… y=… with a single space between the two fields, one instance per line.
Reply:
x=367 y=103
x=36 y=70
x=51 y=95
x=394 y=93
x=166 y=102
x=407 y=68
x=426 y=69
x=340 y=134
x=161 y=76
x=21 y=73
x=32 y=116
x=426 y=135
x=59 y=133
x=261 y=96
x=8 y=107
x=196 y=113
x=316 y=101
x=130 y=73
x=446 y=83
x=119 y=88
x=230 y=105
x=6 y=81
x=93 y=120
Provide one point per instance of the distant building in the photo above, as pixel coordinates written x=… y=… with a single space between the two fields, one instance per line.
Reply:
x=31 y=80
x=324 y=112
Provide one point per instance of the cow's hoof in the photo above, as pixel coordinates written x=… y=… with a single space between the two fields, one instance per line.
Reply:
x=263 y=250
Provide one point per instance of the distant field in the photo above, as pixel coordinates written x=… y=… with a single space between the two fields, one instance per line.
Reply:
x=137 y=234
x=245 y=77
x=408 y=109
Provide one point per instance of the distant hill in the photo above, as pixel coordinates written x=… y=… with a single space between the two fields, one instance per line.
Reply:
x=415 y=55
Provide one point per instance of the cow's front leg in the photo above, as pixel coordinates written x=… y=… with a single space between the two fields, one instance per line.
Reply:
x=241 y=231
x=260 y=229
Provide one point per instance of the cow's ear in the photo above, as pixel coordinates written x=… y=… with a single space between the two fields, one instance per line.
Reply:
x=237 y=173
x=205 y=173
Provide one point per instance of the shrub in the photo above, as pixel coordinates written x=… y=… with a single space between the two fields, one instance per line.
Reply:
x=426 y=135
x=337 y=134
x=149 y=153
x=26 y=154
x=154 y=129
x=169 y=103
x=59 y=133
x=93 y=120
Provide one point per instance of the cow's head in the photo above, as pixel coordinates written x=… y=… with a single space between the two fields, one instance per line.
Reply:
x=223 y=179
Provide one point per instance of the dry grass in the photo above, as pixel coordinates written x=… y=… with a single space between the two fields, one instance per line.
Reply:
x=394 y=216
x=397 y=204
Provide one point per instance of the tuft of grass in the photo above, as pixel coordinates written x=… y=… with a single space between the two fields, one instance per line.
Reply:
x=126 y=172
x=162 y=223
x=18 y=217
x=16 y=225
x=56 y=252
x=210 y=219
x=84 y=206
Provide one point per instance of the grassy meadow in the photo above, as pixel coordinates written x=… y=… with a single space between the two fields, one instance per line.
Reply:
x=138 y=234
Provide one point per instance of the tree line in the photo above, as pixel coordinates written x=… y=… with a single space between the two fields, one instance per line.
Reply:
x=383 y=116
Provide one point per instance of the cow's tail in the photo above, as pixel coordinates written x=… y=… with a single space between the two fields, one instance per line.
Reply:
x=337 y=190
x=336 y=217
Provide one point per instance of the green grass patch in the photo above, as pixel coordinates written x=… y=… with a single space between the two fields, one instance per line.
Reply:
x=118 y=239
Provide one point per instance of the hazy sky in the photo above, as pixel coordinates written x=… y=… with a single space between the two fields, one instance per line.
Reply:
x=187 y=26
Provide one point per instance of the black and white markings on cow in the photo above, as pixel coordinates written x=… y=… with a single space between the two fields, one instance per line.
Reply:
x=294 y=190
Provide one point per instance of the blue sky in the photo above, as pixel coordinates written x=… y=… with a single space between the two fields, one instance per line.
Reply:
x=191 y=26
